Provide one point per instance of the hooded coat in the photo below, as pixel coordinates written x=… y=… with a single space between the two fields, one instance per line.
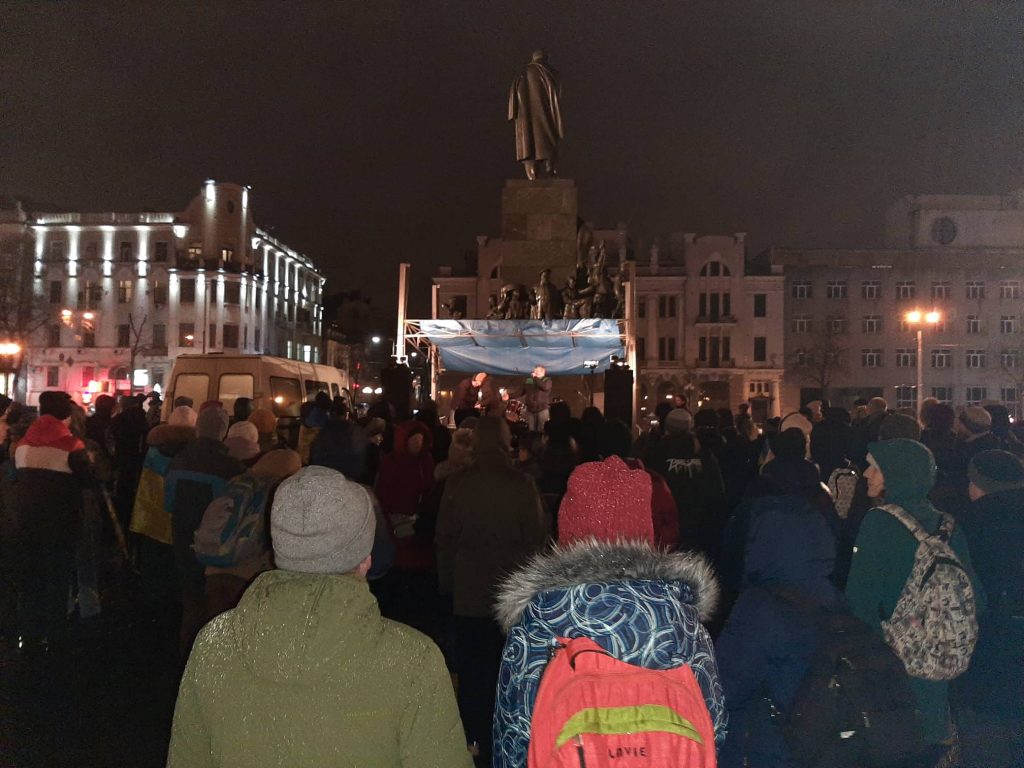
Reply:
x=884 y=556
x=403 y=482
x=643 y=606
x=767 y=644
x=305 y=672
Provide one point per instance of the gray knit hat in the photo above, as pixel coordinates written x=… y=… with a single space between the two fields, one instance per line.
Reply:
x=678 y=420
x=321 y=522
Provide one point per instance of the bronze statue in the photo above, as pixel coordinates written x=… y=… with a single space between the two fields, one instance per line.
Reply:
x=549 y=298
x=533 y=102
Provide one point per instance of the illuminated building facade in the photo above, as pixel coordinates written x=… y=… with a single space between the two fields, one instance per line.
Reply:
x=120 y=295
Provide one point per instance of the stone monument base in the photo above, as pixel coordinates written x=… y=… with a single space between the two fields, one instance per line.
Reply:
x=538 y=230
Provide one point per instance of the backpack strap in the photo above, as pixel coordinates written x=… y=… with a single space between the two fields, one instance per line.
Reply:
x=907 y=519
x=578 y=646
x=946 y=525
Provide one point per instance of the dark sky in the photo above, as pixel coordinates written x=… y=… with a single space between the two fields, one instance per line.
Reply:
x=375 y=132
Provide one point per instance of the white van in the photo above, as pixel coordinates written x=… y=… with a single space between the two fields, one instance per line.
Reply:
x=271 y=382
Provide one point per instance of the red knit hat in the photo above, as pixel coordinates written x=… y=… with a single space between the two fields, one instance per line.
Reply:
x=606 y=500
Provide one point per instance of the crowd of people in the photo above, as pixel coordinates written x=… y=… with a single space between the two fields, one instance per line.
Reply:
x=387 y=591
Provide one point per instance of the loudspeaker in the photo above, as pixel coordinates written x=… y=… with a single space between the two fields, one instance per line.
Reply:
x=618 y=394
x=396 y=381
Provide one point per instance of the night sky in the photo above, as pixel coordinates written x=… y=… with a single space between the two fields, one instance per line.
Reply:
x=375 y=132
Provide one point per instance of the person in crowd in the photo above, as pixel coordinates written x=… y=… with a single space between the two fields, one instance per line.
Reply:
x=1001 y=423
x=899 y=425
x=615 y=440
x=902 y=472
x=314 y=415
x=181 y=400
x=529 y=450
x=128 y=430
x=591 y=423
x=97 y=426
x=405 y=477
x=994 y=524
x=491 y=520
x=241 y=410
x=831 y=440
x=694 y=477
x=153 y=409
x=94 y=512
x=537 y=397
x=266 y=427
x=460 y=452
x=865 y=429
x=469 y=394
x=195 y=477
x=440 y=435
x=605 y=580
x=305 y=671
x=376 y=431
x=768 y=641
x=151 y=521
x=974 y=435
x=561 y=454
x=52 y=469
x=679 y=401
x=939 y=420
x=243 y=442
x=253 y=491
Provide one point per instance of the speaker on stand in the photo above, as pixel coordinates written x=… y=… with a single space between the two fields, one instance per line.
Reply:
x=618 y=392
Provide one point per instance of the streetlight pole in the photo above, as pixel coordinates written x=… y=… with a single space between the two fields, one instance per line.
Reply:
x=918 y=318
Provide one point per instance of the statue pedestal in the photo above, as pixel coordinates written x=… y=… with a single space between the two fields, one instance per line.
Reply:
x=538 y=230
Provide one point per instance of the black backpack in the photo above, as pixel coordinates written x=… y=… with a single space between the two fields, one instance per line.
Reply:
x=854 y=707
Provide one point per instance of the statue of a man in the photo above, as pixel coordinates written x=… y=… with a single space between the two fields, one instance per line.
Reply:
x=533 y=102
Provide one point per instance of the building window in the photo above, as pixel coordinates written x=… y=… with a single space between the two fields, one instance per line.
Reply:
x=195 y=251
x=227 y=254
x=666 y=306
x=1011 y=400
x=124 y=336
x=1009 y=358
x=906 y=397
x=760 y=349
x=187 y=293
x=714 y=306
x=88 y=338
x=53 y=375
x=835 y=289
x=941 y=289
x=974 y=324
x=801 y=323
x=1008 y=324
x=871 y=289
x=976 y=395
x=1009 y=289
x=232 y=293
x=871 y=358
x=760 y=305
x=230 y=336
x=871 y=324
x=975 y=289
x=801 y=289
x=90 y=295
x=53 y=335
x=714 y=269
x=802 y=358
x=905 y=289
x=56 y=292
x=127 y=252
x=943 y=394
x=836 y=324
x=124 y=291
x=942 y=358
x=641 y=308
x=186 y=334
x=160 y=335
x=160 y=251
x=667 y=348
x=159 y=293
x=906 y=358
x=641 y=348
x=975 y=358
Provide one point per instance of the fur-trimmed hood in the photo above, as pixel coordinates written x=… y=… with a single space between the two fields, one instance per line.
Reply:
x=591 y=561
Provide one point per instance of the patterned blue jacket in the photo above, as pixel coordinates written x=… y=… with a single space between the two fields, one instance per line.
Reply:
x=641 y=605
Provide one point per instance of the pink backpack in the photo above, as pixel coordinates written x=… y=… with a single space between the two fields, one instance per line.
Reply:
x=593 y=711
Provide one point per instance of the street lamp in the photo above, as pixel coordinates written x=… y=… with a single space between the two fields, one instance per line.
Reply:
x=916 y=317
x=375 y=339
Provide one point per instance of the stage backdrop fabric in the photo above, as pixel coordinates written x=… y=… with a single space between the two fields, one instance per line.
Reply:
x=517 y=346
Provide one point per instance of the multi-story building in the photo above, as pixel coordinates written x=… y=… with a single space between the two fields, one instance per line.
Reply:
x=846 y=323
x=120 y=295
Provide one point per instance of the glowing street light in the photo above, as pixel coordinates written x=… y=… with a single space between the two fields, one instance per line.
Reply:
x=375 y=339
x=920 y=319
x=9 y=349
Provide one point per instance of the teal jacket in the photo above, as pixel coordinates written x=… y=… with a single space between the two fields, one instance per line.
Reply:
x=305 y=672
x=883 y=557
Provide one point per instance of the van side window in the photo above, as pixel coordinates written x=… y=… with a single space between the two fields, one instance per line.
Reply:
x=286 y=396
x=312 y=387
x=234 y=386
x=194 y=385
x=335 y=392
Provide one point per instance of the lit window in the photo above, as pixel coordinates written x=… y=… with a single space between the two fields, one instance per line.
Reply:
x=124 y=291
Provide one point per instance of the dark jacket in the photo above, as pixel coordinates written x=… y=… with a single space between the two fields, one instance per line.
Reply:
x=537 y=394
x=768 y=642
x=831 y=441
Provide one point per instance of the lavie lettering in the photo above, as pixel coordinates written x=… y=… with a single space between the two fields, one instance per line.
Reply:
x=627 y=752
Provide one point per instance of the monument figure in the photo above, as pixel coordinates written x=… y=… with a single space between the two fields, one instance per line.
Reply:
x=533 y=103
x=548 y=298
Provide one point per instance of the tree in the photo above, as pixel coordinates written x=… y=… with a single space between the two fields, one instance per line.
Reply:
x=22 y=307
x=135 y=337
x=823 y=360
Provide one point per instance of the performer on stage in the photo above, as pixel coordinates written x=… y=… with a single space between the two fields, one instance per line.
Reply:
x=537 y=396
x=477 y=395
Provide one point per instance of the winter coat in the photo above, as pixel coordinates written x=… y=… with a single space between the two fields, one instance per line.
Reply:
x=664 y=512
x=46 y=497
x=150 y=517
x=537 y=394
x=831 y=441
x=306 y=672
x=491 y=521
x=403 y=483
x=767 y=644
x=884 y=556
x=643 y=606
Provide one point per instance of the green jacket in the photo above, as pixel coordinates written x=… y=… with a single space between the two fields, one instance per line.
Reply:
x=883 y=557
x=305 y=672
